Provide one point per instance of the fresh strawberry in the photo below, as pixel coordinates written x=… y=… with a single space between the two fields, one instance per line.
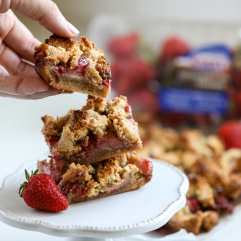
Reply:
x=129 y=74
x=145 y=98
x=41 y=192
x=124 y=46
x=230 y=133
x=173 y=47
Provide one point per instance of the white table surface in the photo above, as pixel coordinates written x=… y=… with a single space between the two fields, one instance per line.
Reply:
x=21 y=140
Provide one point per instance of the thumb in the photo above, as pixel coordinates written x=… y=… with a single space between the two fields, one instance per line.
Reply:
x=44 y=11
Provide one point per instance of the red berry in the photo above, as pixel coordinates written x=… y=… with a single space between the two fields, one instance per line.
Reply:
x=193 y=205
x=62 y=69
x=106 y=83
x=79 y=192
x=130 y=74
x=52 y=142
x=230 y=133
x=144 y=165
x=42 y=193
x=81 y=66
x=128 y=110
x=57 y=158
x=56 y=75
x=124 y=46
x=223 y=204
x=172 y=47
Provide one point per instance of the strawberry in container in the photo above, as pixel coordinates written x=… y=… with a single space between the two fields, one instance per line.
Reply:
x=230 y=133
x=195 y=84
x=131 y=73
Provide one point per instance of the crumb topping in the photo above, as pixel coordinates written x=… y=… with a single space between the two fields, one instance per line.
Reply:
x=67 y=51
x=126 y=130
x=77 y=172
x=57 y=41
x=201 y=190
x=193 y=222
x=54 y=127
x=116 y=108
x=213 y=172
x=86 y=45
x=96 y=104
x=103 y=67
x=97 y=118
x=91 y=120
x=102 y=176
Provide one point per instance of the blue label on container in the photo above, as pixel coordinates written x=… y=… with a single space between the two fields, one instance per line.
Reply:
x=213 y=58
x=193 y=101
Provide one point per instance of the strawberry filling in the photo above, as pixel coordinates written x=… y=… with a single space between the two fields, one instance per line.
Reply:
x=37 y=55
x=144 y=165
x=53 y=173
x=78 y=70
x=94 y=143
x=117 y=187
x=101 y=143
x=57 y=158
x=222 y=204
x=52 y=142
x=193 y=205
x=106 y=83
x=56 y=75
x=81 y=66
x=128 y=110
x=62 y=69
x=68 y=189
x=79 y=192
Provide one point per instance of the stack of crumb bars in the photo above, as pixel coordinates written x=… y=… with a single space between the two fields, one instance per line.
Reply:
x=92 y=149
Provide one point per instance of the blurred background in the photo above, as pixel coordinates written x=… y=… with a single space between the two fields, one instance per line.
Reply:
x=178 y=62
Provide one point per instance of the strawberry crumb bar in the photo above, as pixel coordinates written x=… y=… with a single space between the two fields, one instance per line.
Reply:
x=80 y=183
x=97 y=132
x=73 y=65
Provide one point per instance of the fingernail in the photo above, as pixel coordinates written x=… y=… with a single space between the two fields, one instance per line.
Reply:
x=43 y=89
x=73 y=29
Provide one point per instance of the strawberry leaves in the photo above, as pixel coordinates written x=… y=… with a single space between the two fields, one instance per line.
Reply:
x=23 y=185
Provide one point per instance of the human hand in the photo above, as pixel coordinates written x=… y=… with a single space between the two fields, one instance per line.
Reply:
x=17 y=78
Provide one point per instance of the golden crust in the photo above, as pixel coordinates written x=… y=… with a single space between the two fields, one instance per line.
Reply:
x=116 y=108
x=93 y=119
x=127 y=131
x=57 y=41
x=95 y=103
x=76 y=172
x=66 y=52
x=103 y=67
x=100 y=177
x=86 y=45
x=54 y=127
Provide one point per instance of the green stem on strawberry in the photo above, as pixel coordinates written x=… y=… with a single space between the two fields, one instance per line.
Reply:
x=22 y=186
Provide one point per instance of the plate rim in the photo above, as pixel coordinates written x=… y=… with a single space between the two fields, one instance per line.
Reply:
x=91 y=231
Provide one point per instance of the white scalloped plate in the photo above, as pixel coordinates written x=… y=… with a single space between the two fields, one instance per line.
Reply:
x=121 y=215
